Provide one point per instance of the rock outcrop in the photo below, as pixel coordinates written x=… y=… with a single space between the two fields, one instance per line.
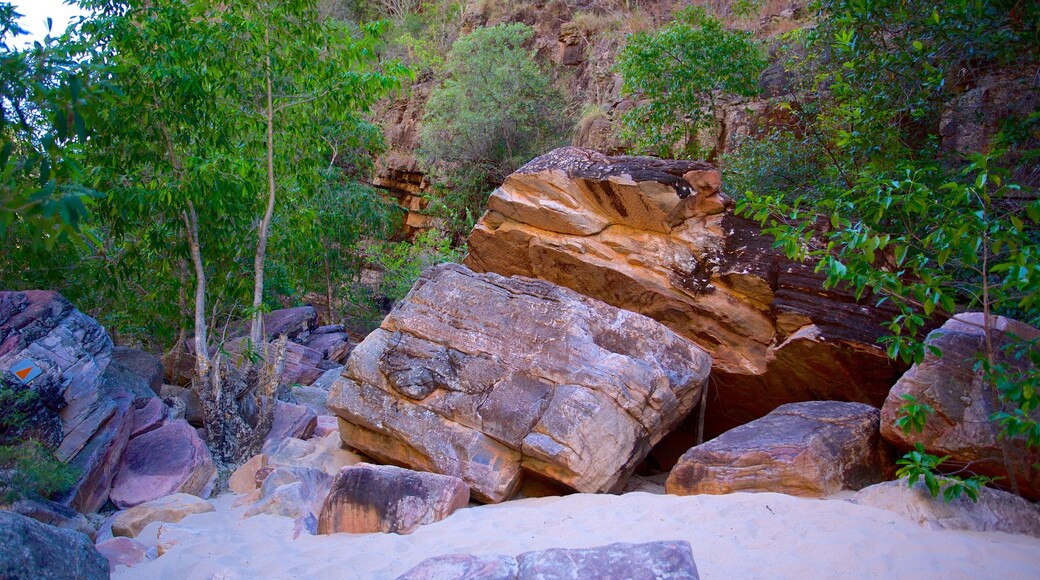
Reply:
x=995 y=511
x=658 y=237
x=485 y=377
x=54 y=514
x=808 y=449
x=83 y=417
x=137 y=371
x=963 y=401
x=29 y=549
x=168 y=460
x=382 y=498
x=651 y=561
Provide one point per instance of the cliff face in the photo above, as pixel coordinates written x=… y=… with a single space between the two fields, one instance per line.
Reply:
x=578 y=42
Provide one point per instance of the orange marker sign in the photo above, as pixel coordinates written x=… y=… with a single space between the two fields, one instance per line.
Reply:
x=26 y=370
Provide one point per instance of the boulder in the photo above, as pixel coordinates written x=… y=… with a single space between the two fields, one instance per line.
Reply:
x=485 y=377
x=653 y=560
x=186 y=401
x=315 y=399
x=243 y=480
x=141 y=373
x=811 y=449
x=333 y=346
x=303 y=365
x=995 y=511
x=168 y=460
x=122 y=552
x=293 y=492
x=295 y=323
x=325 y=424
x=171 y=508
x=149 y=414
x=54 y=514
x=291 y=421
x=963 y=402
x=326 y=454
x=659 y=238
x=30 y=549
x=382 y=498
x=325 y=381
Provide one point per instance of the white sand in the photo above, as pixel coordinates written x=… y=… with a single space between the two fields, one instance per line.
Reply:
x=733 y=536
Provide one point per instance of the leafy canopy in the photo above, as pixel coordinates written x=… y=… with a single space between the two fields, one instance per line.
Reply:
x=678 y=73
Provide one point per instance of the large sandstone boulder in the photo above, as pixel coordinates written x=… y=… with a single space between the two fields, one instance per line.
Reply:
x=381 y=498
x=995 y=510
x=29 y=549
x=963 y=402
x=657 y=237
x=650 y=561
x=168 y=460
x=171 y=508
x=85 y=418
x=485 y=377
x=809 y=449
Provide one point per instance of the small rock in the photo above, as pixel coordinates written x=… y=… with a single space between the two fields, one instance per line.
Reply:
x=326 y=424
x=122 y=552
x=313 y=398
x=371 y=498
x=172 y=509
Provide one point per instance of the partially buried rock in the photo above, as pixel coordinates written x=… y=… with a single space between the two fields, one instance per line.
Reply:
x=381 y=498
x=809 y=449
x=995 y=511
x=170 y=459
x=650 y=561
x=172 y=508
x=30 y=549
x=963 y=401
x=485 y=377
x=243 y=480
x=326 y=454
x=122 y=552
x=293 y=492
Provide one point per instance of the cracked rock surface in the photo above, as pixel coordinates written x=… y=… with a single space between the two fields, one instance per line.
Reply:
x=487 y=378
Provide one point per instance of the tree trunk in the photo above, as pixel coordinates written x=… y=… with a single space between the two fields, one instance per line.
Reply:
x=256 y=330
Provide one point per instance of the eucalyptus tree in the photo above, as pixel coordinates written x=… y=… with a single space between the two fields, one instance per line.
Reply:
x=221 y=113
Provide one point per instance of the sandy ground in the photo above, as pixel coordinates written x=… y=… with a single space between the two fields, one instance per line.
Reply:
x=733 y=536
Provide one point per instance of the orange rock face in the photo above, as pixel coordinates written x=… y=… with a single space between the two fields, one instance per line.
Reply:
x=659 y=238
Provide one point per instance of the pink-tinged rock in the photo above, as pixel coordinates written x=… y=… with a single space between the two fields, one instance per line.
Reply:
x=122 y=552
x=303 y=365
x=139 y=372
x=326 y=424
x=463 y=567
x=381 y=498
x=170 y=459
x=149 y=414
x=296 y=323
x=811 y=449
x=98 y=459
x=292 y=421
x=963 y=401
x=334 y=346
x=172 y=508
x=292 y=492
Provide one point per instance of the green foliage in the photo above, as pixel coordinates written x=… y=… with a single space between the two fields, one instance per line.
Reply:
x=403 y=262
x=1016 y=376
x=680 y=71
x=855 y=178
x=47 y=98
x=494 y=112
x=920 y=465
x=27 y=469
x=912 y=416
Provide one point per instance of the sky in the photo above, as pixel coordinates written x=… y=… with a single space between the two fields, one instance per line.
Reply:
x=35 y=14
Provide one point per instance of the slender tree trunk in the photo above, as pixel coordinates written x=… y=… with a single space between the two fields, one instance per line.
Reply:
x=329 y=300
x=202 y=361
x=256 y=331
